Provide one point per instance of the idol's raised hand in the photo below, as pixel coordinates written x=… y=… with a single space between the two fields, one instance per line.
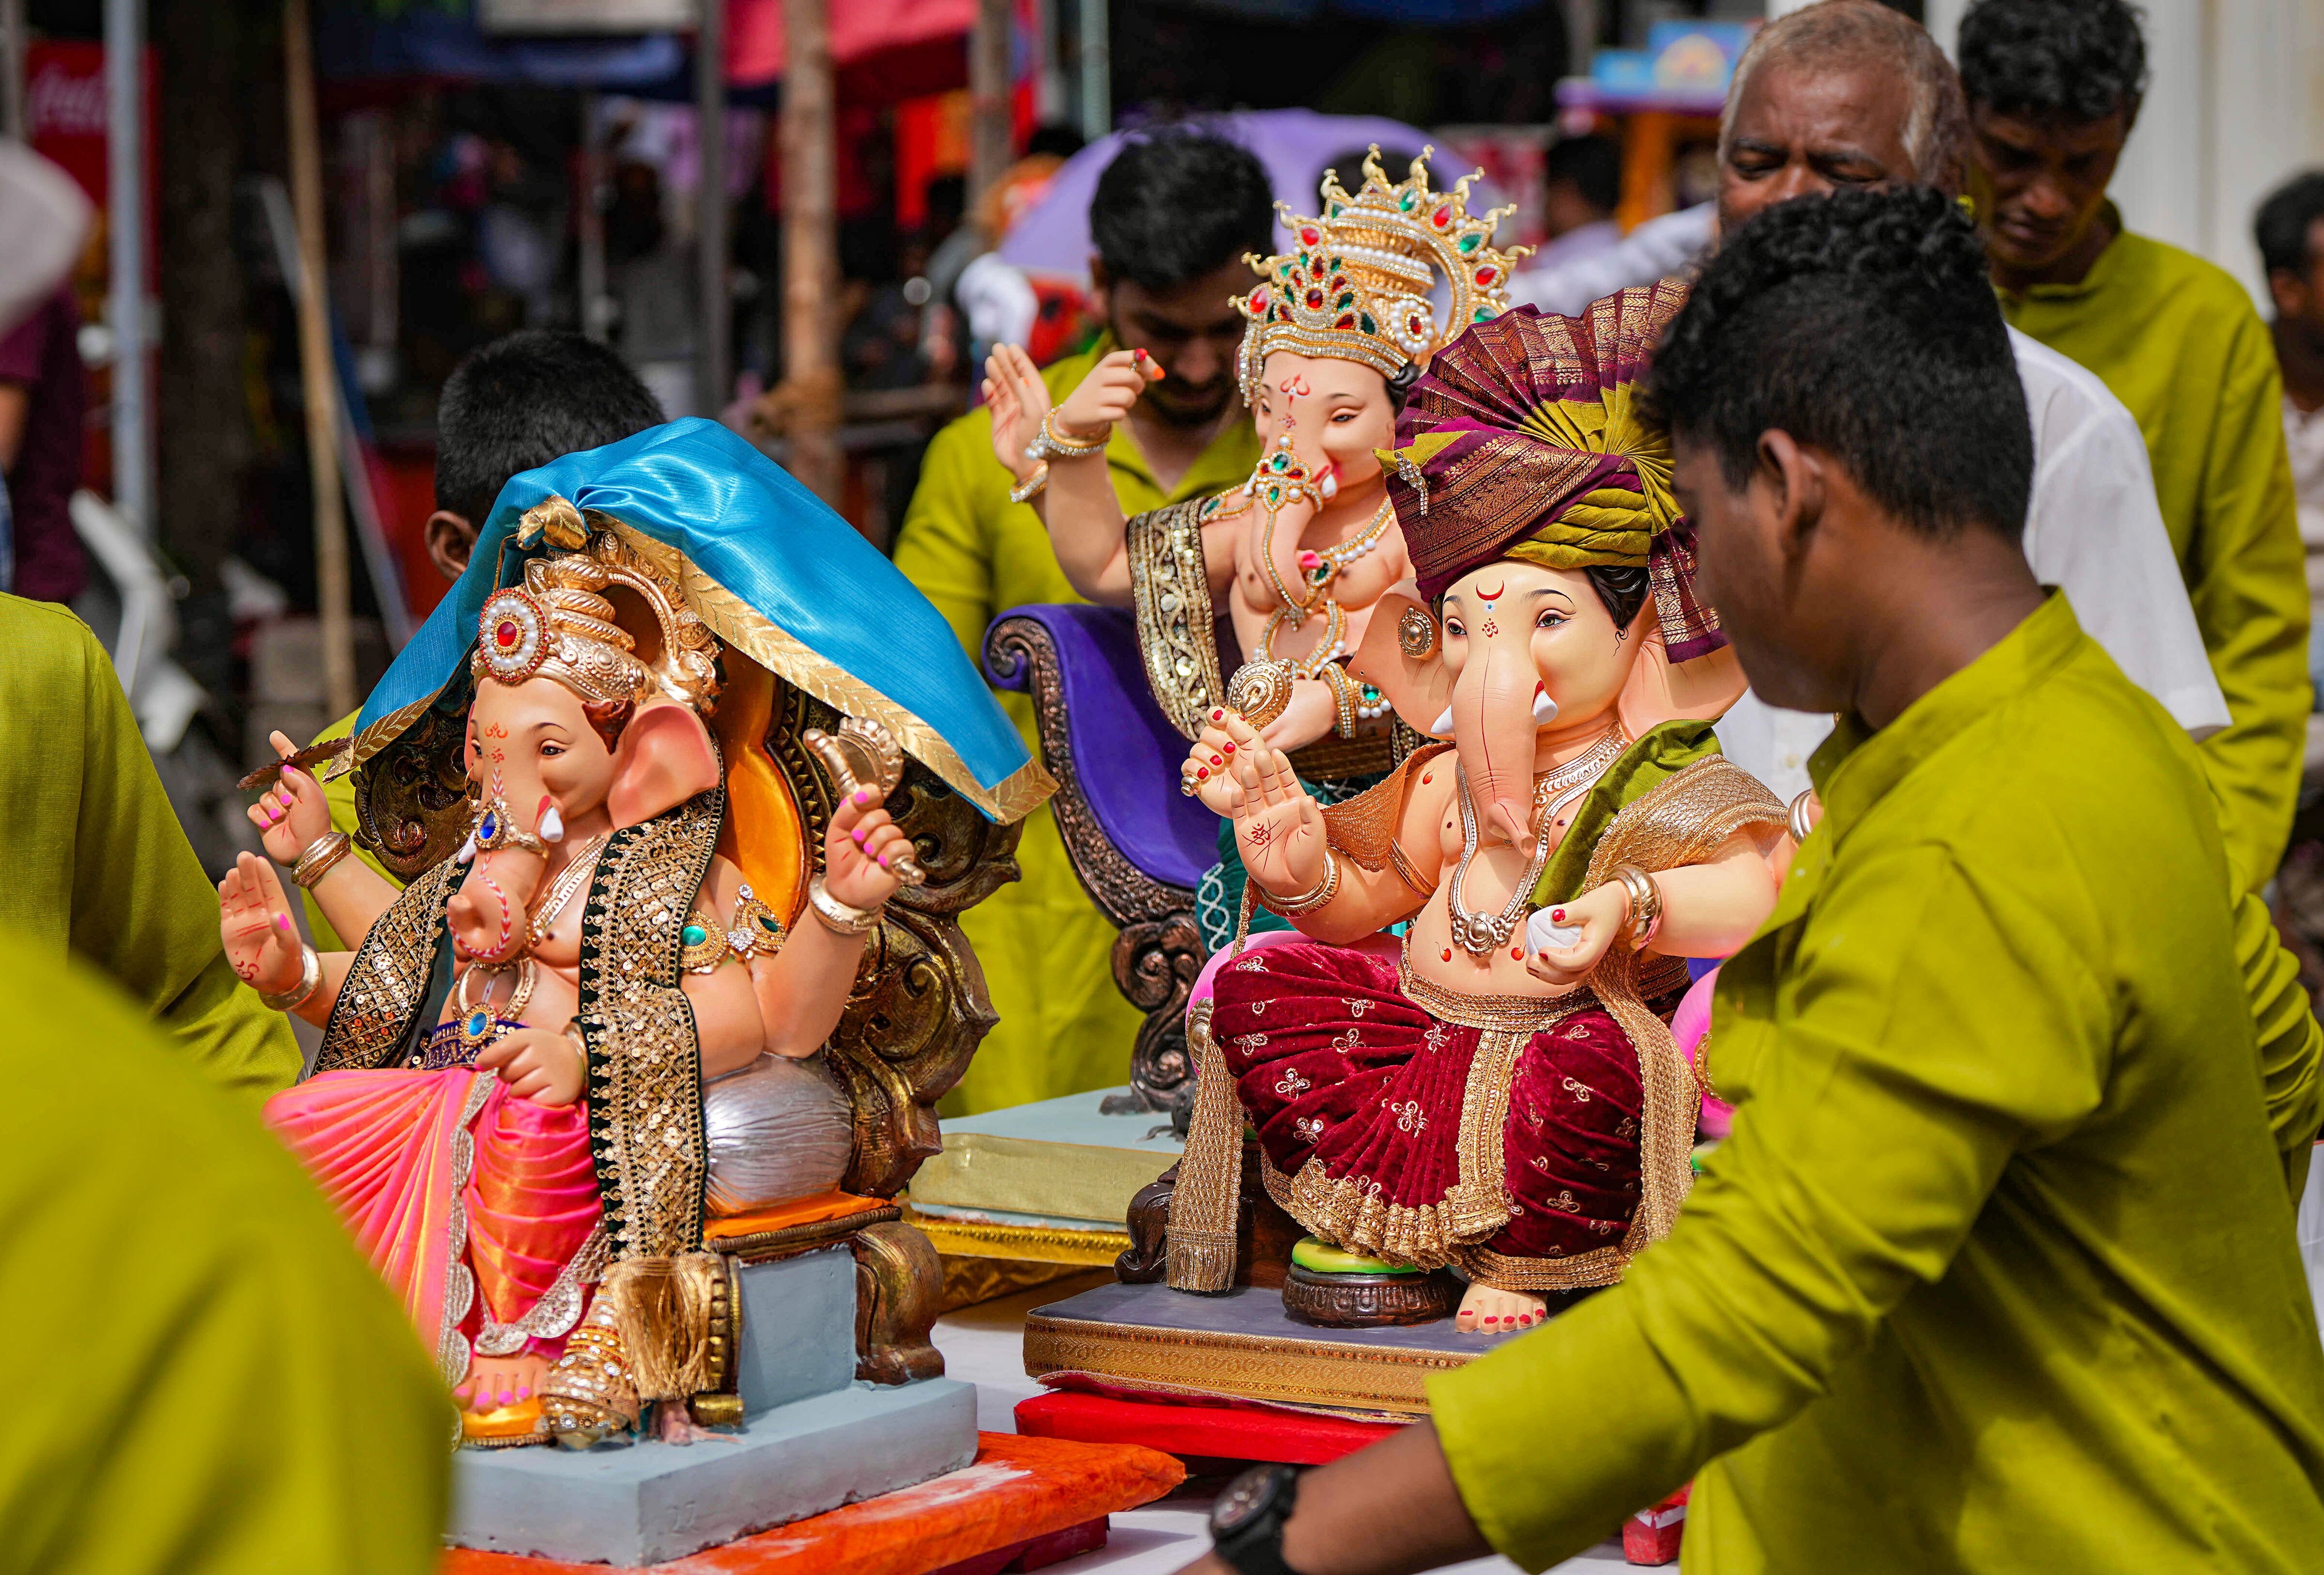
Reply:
x=293 y=813
x=261 y=941
x=1017 y=399
x=1103 y=397
x=863 y=851
x=1279 y=829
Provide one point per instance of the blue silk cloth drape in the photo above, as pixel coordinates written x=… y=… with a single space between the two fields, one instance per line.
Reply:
x=775 y=572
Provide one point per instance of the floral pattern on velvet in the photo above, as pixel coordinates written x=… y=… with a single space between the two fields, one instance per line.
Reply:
x=1333 y=1064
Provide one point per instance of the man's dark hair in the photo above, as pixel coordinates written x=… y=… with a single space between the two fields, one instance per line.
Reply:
x=523 y=400
x=2080 y=59
x=2285 y=221
x=1593 y=163
x=1862 y=323
x=1175 y=205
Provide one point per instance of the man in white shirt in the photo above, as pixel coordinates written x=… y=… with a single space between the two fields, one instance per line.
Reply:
x=1851 y=93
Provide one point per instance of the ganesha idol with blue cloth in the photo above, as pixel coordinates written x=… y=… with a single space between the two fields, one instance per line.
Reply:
x=594 y=1023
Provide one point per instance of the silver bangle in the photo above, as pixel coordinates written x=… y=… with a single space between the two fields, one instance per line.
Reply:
x=310 y=979
x=1798 y=814
x=837 y=917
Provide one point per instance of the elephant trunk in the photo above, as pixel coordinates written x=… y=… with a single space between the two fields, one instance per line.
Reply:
x=1494 y=732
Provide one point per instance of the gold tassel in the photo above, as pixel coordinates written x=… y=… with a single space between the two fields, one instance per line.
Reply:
x=1206 y=1200
x=666 y=1308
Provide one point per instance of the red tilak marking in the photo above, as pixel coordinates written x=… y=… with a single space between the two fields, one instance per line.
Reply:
x=1494 y=595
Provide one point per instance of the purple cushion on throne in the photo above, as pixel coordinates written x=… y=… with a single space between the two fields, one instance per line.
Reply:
x=1126 y=754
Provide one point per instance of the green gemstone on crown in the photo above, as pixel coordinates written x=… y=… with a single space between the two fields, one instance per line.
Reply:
x=1467 y=243
x=1407 y=200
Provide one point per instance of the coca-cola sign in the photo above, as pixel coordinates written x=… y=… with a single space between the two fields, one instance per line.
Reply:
x=63 y=100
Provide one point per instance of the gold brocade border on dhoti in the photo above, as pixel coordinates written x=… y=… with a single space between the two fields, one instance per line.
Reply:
x=1170 y=592
x=1349 y=1210
x=387 y=983
x=645 y=1062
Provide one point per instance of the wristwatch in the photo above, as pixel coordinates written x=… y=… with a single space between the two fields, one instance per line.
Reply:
x=1246 y=1520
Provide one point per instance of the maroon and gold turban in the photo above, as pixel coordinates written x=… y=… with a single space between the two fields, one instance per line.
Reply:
x=1523 y=439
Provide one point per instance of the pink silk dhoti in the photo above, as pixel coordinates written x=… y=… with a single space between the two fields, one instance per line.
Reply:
x=470 y=1203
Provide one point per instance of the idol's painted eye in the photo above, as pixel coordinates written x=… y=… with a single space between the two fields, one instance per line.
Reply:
x=550 y=748
x=1453 y=628
x=1551 y=618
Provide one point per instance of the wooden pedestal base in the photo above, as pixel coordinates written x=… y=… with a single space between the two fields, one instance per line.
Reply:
x=1367 y=1301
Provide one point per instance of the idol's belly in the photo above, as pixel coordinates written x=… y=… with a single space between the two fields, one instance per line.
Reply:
x=775 y=1130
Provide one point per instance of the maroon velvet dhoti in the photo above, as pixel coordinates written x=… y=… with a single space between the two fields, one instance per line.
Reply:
x=1401 y=1120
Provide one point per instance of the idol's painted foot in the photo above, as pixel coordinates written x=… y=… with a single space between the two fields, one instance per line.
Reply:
x=1486 y=1311
x=497 y=1381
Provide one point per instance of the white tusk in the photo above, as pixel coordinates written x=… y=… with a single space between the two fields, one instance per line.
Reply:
x=1443 y=726
x=1330 y=486
x=1545 y=709
x=552 y=826
x=467 y=850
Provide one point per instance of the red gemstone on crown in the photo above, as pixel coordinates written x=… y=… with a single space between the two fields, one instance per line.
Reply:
x=1443 y=217
x=1486 y=275
x=1309 y=235
x=506 y=633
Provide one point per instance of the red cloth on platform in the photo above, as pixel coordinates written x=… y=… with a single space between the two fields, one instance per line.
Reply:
x=1335 y=1064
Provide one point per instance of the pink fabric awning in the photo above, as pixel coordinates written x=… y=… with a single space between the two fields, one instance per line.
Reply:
x=754 y=32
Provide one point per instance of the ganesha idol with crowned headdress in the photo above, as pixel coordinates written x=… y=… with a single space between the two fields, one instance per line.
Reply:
x=1496 y=1091
x=599 y=1020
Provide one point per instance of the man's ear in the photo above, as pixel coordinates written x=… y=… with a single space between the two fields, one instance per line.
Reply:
x=1795 y=483
x=1100 y=291
x=450 y=540
x=2285 y=288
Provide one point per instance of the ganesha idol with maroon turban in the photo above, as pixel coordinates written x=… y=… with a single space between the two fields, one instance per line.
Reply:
x=1497 y=1092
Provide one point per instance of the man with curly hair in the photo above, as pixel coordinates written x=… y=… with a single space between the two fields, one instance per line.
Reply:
x=2054 y=88
x=1997 y=1271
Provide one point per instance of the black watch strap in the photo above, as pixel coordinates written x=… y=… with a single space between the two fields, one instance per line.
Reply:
x=1248 y=1519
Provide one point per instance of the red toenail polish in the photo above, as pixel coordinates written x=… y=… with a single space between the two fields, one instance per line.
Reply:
x=1557 y=915
x=1230 y=748
x=1218 y=716
x=1202 y=773
x=1215 y=760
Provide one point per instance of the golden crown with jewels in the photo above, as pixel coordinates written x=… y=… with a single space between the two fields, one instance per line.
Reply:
x=1360 y=281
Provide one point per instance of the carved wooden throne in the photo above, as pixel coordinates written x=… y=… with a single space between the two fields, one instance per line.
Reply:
x=1138 y=845
x=919 y=1009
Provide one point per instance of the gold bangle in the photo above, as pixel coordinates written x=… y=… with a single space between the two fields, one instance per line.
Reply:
x=1032 y=487
x=1317 y=896
x=1645 y=897
x=1053 y=444
x=839 y=917
x=320 y=858
x=310 y=979
x=1343 y=697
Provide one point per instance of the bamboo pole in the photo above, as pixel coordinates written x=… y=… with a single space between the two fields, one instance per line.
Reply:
x=806 y=407
x=714 y=384
x=989 y=106
x=318 y=378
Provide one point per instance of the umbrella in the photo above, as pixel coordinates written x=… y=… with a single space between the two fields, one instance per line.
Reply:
x=1295 y=144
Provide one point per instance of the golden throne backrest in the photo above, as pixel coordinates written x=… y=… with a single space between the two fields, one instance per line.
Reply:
x=919 y=1006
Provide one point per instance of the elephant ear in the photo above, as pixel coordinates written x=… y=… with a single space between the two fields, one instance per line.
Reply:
x=1419 y=688
x=665 y=757
x=1660 y=690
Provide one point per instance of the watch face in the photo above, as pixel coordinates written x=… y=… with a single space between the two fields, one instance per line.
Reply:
x=1245 y=1497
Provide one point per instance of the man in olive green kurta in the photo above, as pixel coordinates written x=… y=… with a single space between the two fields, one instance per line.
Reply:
x=99 y=866
x=1046 y=950
x=1997 y=1270
x=2054 y=88
x=204 y=1377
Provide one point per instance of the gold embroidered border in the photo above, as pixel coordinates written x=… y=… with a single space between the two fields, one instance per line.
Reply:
x=1205 y=1201
x=746 y=628
x=1302 y=1372
x=1170 y=591
x=645 y=1061
x=1024 y=1243
x=387 y=983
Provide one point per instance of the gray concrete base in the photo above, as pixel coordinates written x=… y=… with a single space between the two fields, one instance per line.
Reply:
x=799 y=1328
x=644 y=1503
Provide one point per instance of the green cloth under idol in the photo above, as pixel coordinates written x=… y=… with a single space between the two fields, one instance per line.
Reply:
x=99 y=866
x=2177 y=341
x=1998 y=1268
x=1046 y=950
x=204 y=1377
